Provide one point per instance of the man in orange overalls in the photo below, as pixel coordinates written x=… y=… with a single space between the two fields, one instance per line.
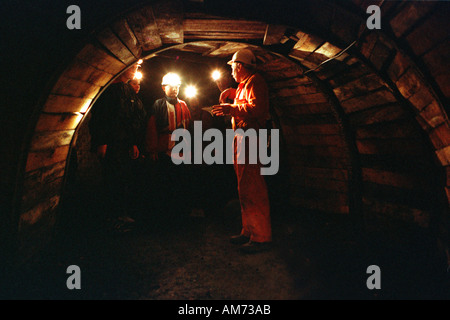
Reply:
x=249 y=110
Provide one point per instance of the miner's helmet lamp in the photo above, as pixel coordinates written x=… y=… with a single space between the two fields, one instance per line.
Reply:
x=171 y=79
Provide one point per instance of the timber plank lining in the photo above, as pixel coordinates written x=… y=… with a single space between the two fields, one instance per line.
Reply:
x=145 y=29
x=51 y=139
x=49 y=122
x=100 y=59
x=115 y=46
x=66 y=104
x=44 y=158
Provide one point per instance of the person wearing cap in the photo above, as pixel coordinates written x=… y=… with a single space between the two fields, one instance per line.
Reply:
x=249 y=110
x=167 y=114
x=116 y=129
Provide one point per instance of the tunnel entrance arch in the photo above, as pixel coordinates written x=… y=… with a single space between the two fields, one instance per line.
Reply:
x=368 y=105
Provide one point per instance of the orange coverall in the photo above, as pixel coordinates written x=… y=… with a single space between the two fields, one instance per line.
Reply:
x=252 y=111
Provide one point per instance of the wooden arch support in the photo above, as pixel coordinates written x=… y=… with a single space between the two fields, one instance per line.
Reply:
x=148 y=30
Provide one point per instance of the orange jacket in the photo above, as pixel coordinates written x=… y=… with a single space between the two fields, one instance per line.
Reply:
x=252 y=103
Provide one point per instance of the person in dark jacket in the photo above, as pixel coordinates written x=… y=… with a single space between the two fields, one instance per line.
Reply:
x=141 y=116
x=117 y=126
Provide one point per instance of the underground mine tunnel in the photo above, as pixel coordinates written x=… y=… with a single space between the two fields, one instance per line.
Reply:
x=364 y=149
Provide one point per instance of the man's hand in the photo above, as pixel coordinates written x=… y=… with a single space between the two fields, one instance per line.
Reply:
x=134 y=152
x=221 y=109
x=101 y=151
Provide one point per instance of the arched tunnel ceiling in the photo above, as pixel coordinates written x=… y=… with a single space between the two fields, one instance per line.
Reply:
x=354 y=121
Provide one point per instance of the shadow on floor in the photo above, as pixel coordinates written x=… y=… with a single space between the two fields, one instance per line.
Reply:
x=180 y=257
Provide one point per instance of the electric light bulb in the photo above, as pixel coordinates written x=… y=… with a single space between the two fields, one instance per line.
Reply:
x=216 y=75
x=190 y=91
x=138 y=75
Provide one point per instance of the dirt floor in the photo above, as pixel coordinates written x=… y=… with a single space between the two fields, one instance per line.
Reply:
x=191 y=258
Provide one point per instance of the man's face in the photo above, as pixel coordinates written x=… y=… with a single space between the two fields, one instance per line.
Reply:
x=136 y=85
x=171 y=91
x=236 y=71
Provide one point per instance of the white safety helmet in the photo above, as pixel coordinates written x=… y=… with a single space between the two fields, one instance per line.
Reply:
x=244 y=56
x=171 y=79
